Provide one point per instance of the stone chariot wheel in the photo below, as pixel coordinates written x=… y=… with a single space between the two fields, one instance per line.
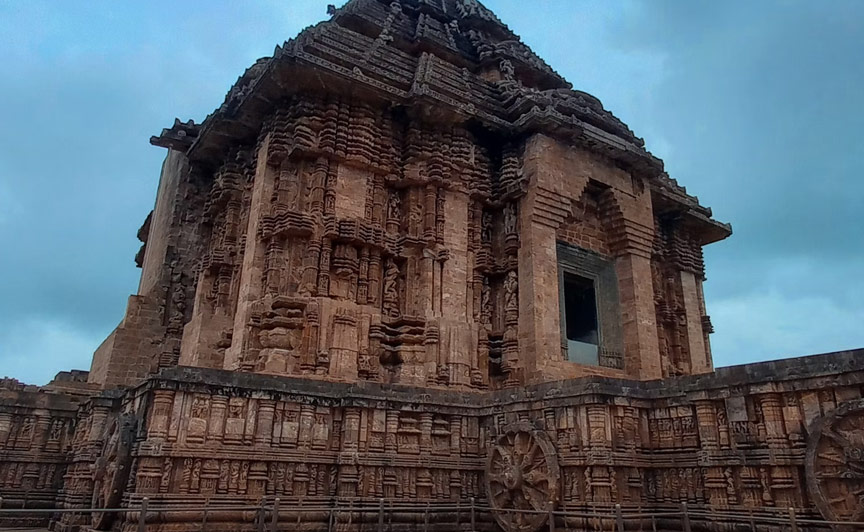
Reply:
x=522 y=474
x=111 y=470
x=835 y=463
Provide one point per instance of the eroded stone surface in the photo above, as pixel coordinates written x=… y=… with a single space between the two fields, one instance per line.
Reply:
x=350 y=290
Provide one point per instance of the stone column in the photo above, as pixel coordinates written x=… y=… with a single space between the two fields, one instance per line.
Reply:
x=344 y=346
x=307 y=419
x=351 y=431
x=425 y=433
x=430 y=193
x=392 y=426
x=373 y=296
x=706 y=416
x=700 y=361
x=638 y=317
x=455 y=436
x=160 y=413
x=598 y=436
x=773 y=418
x=216 y=427
x=5 y=427
x=41 y=429
x=264 y=427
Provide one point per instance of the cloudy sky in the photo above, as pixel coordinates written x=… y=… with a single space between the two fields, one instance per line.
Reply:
x=756 y=107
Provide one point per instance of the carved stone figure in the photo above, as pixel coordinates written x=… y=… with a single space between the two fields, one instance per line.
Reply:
x=511 y=293
x=200 y=408
x=506 y=69
x=510 y=219
x=391 y=290
x=486 y=304
x=289 y=187
x=394 y=207
x=415 y=218
x=486 y=227
x=165 y=480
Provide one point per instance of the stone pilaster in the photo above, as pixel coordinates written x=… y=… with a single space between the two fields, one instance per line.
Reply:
x=706 y=417
x=638 y=317
x=700 y=361
x=264 y=426
x=5 y=427
x=252 y=272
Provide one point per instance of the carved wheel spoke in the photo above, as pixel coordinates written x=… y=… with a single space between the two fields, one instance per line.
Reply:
x=835 y=463
x=839 y=439
x=535 y=497
x=112 y=470
x=499 y=491
x=522 y=474
x=535 y=477
x=496 y=479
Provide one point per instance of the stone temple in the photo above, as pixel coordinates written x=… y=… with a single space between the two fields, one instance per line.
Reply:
x=405 y=261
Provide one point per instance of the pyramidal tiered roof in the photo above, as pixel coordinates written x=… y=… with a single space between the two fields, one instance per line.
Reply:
x=450 y=59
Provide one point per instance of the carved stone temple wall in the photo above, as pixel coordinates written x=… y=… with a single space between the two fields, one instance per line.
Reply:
x=405 y=260
x=37 y=426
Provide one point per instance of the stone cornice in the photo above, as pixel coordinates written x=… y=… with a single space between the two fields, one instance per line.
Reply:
x=818 y=371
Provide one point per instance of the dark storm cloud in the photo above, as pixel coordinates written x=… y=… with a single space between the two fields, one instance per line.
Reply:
x=756 y=107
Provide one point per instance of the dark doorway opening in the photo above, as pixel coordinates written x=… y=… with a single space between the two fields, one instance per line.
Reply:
x=580 y=313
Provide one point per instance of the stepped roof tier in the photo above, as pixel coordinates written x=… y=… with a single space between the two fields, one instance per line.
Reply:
x=451 y=60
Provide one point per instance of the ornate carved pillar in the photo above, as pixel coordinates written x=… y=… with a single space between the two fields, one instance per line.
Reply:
x=344 y=347
x=598 y=429
x=349 y=475
x=307 y=419
x=706 y=416
x=373 y=295
x=772 y=412
x=40 y=429
x=311 y=257
x=324 y=268
x=379 y=201
x=392 y=427
x=315 y=188
x=363 y=279
x=216 y=427
x=631 y=428
x=264 y=427
x=351 y=429
x=99 y=417
x=5 y=428
x=430 y=195
x=425 y=433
